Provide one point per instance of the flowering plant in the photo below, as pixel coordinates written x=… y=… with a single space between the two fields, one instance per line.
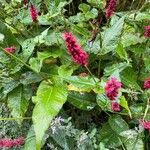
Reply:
x=84 y=60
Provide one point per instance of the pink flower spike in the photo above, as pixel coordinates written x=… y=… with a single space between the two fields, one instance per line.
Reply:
x=79 y=56
x=111 y=8
x=145 y=124
x=115 y=106
x=11 y=49
x=112 y=88
x=147 y=31
x=147 y=84
x=9 y=143
x=33 y=13
x=19 y=141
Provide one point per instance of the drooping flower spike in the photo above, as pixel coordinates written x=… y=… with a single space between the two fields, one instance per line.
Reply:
x=115 y=106
x=9 y=143
x=111 y=8
x=145 y=124
x=79 y=56
x=11 y=49
x=112 y=88
x=147 y=31
x=33 y=13
x=147 y=84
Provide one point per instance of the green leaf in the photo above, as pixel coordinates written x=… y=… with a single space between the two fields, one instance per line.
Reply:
x=111 y=36
x=84 y=83
x=30 y=77
x=121 y=51
x=124 y=103
x=48 y=102
x=119 y=67
x=129 y=78
x=9 y=39
x=109 y=137
x=103 y=102
x=18 y=101
x=30 y=140
x=65 y=71
x=84 y=7
x=118 y=124
x=83 y=101
x=129 y=39
x=142 y=16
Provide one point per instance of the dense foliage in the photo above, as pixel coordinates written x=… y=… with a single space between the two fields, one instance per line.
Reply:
x=75 y=75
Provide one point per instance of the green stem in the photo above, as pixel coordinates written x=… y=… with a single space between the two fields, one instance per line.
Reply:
x=146 y=109
x=8 y=119
x=90 y=73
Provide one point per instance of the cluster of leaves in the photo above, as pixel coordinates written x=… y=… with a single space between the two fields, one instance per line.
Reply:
x=40 y=77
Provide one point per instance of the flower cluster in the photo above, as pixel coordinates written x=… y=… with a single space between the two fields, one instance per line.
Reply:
x=11 y=49
x=147 y=84
x=115 y=106
x=147 y=31
x=33 y=13
x=111 y=8
x=145 y=124
x=112 y=89
x=9 y=143
x=79 y=56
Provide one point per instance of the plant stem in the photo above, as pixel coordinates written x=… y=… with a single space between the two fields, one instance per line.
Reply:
x=90 y=73
x=146 y=110
x=7 y=119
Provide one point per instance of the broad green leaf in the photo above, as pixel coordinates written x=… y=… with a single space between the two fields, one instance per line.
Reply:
x=18 y=101
x=129 y=78
x=30 y=140
x=80 y=30
x=142 y=16
x=35 y=64
x=117 y=124
x=121 y=51
x=91 y=14
x=124 y=103
x=65 y=71
x=9 y=39
x=1 y=37
x=129 y=39
x=30 y=77
x=111 y=36
x=109 y=137
x=41 y=38
x=97 y=3
x=103 y=102
x=84 y=83
x=119 y=67
x=83 y=101
x=48 y=102
x=84 y=7
x=133 y=144
x=147 y=63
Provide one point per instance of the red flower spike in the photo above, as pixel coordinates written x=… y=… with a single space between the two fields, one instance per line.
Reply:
x=79 y=56
x=115 y=106
x=147 y=31
x=111 y=8
x=9 y=143
x=112 y=88
x=147 y=84
x=33 y=13
x=11 y=49
x=145 y=124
